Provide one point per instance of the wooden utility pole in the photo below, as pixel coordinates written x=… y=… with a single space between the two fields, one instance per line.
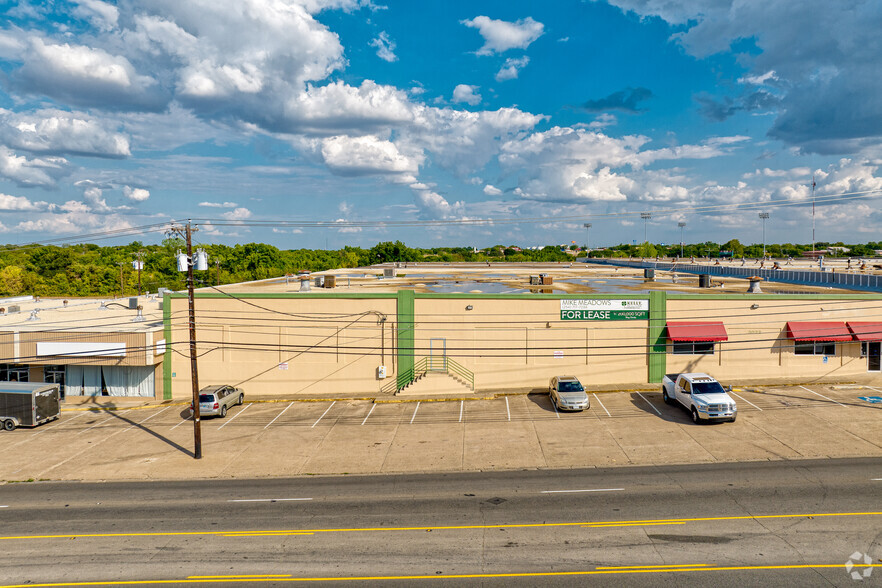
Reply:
x=140 y=265
x=187 y=232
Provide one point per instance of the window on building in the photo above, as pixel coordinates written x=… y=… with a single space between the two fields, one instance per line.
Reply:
x=54 y=374
x=13 y=373
x=692 y=348
x=863 y=348
x=814 y=348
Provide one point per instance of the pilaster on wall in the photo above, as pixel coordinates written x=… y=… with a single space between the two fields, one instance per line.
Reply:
x=405 y=331
x=167 y=356
x=656 y=343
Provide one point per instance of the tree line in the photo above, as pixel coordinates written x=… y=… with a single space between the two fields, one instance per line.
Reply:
x=92 y=270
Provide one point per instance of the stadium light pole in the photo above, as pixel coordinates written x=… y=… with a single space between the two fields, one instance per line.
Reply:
x=588 y=244
x=764 y=216
x=645 y=216
x=681 y=224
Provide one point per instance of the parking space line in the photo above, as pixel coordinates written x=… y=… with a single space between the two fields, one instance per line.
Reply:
x=182 y=422
x=101 y=423
x=747 y=401
x=461 y=404
x=874 y=389
x=821 y=395
x=601 y=405
x=414 y=412
x=373 y=406
x=649 y=403
x=507 y=410
x=277 y=416
x=232 y=418
x=323 y=415
x=554 y=406
x=148 y=418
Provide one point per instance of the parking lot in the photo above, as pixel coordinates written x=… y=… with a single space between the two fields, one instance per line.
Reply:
x=284 y=438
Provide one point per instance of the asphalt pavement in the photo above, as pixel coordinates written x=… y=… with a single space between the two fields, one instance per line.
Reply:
x=779 y=523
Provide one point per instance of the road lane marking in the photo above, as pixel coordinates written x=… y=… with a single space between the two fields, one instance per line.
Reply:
x=650 y=567
x=649 y=403
x=373 y=406
x=602 y=406
x=461 y=403
x=232 y=418
x=436 y=577
x=243 y=576
x=264 y=499
x=269 y=534
x=876 y=480
x=507 y=410
x=323 y=415
x=4 y=506
x=747 y=401
x=461 y=527
x=414 y=412
x=822 y=396
x=277 y=416
x=599 y=526
x=586 y=490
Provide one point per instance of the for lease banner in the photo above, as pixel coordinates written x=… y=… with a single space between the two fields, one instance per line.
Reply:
x=603 y=310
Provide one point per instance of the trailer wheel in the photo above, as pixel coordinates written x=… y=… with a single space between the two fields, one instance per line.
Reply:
x=9 y=425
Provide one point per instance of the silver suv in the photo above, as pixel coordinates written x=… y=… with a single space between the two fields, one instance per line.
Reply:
x=214 y=400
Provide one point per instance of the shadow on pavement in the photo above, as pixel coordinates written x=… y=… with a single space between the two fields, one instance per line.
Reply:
x=151 y=432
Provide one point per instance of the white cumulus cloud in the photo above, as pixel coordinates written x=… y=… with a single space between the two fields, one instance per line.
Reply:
x=467 y=94
x=500 y=36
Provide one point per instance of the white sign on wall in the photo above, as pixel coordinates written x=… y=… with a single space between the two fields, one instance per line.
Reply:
x=81 y=349
x=603 y=310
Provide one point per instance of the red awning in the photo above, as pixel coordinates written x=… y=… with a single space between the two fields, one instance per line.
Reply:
x=865 y=331
x=697 y=331
x=818 y=331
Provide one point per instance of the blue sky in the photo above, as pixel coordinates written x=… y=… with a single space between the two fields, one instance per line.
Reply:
x=441 y=122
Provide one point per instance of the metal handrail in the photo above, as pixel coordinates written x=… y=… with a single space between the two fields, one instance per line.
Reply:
x=460 y=370
x=422 y=366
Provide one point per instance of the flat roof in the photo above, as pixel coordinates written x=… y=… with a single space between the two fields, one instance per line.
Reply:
x=102 y=315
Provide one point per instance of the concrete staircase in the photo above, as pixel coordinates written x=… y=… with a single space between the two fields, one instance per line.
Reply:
x=436 y=383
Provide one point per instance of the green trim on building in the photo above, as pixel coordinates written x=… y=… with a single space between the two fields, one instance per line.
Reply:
x=268 y=295
x=747 y=296
x=405 y=330
x=656 y=343
x=166 y=357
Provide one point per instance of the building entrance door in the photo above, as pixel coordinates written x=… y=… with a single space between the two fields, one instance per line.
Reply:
x=437 y=355
x=873 y=363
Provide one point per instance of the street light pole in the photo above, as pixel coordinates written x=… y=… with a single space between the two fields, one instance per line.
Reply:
x=588 y=244
x=764 y=216
x=681 y=224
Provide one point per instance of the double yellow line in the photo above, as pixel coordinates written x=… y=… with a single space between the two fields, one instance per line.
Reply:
x=584 y=524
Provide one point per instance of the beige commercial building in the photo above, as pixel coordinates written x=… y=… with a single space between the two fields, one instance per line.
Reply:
x=301 y=344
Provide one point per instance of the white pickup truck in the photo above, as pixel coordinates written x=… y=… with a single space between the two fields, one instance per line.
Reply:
x=701 y=395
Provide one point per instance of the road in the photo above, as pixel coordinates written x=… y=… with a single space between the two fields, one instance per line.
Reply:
x=735 y=524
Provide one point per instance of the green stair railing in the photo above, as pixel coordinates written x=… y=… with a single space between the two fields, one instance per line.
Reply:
x=430 y=364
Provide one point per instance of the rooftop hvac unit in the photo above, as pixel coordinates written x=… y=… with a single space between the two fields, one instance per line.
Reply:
x=320 y=281
x=14 y=308
x=330 y=281
x=133 y=303
x=389 y=272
